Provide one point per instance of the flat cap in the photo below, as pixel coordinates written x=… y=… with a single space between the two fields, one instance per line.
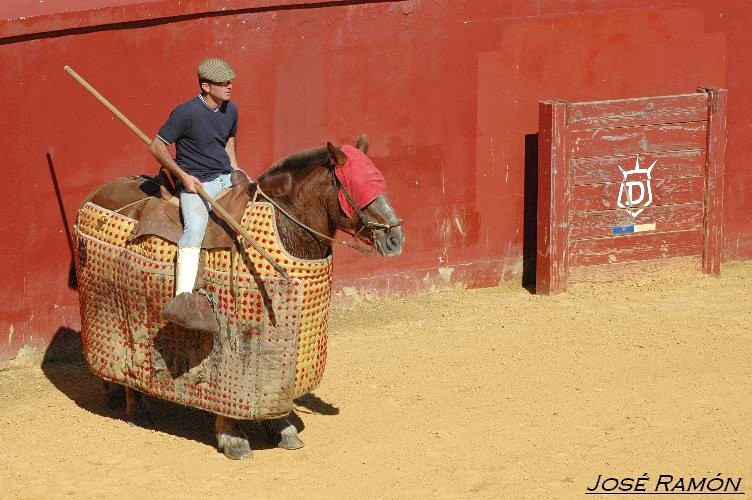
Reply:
x=215 y=70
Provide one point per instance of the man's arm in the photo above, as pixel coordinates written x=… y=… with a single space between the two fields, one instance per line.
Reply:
x=163 y=156
x=230 y=148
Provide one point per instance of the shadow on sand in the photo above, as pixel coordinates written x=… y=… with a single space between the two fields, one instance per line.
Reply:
x=64 y=366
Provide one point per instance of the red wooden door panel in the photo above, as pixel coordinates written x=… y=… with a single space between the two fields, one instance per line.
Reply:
x=626 y=184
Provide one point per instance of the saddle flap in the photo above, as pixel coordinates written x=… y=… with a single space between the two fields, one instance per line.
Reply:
x=162 y=218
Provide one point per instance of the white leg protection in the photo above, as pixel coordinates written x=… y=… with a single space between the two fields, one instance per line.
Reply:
x=186 y=269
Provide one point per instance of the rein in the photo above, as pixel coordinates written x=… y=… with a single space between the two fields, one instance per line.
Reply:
x=365 y=222
x=354 y=246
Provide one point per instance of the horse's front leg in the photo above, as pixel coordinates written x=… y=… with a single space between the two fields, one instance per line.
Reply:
x=136 y=408
x=231 y=440
x=114 y=396
x=282 y=433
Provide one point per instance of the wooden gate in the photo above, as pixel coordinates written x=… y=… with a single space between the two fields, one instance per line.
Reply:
x=625 y=185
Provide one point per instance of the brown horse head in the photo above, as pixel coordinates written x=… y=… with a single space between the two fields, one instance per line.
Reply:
x=306 y=186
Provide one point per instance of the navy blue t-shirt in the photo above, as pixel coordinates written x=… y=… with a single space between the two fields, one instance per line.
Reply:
x=200 y=135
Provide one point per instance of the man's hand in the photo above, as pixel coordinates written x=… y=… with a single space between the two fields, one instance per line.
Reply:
x=189 y=183
x=160 y=152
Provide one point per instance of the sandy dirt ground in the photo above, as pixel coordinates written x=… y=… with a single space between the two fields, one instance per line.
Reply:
x=492 y=393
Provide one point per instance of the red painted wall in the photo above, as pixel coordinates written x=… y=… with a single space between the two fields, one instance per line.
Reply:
x=448 y=90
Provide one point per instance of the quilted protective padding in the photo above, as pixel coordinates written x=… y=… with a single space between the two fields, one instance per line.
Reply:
x=273 y=334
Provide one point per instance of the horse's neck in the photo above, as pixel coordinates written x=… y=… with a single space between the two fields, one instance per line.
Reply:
x=308 y=200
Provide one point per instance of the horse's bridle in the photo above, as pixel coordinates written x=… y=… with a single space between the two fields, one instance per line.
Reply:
x=365 y=222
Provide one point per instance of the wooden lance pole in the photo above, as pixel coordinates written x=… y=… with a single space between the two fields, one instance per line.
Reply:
x=199 y=189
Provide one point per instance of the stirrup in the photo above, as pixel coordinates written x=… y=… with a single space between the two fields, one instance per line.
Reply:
x=192 y=311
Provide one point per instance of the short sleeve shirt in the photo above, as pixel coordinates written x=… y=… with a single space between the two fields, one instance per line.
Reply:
x=200 y=135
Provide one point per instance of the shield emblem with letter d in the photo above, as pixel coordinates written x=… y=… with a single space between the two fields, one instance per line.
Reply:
x=635 y=192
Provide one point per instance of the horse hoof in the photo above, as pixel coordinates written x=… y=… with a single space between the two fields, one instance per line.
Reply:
x=283 y=434
x=237 y=449
x=290 y=442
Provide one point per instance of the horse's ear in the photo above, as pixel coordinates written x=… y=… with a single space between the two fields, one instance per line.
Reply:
x=362 y=143
x=335 y=154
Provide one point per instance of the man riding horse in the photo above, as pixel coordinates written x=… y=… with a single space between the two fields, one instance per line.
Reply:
x=272 y=310
x=203 y=130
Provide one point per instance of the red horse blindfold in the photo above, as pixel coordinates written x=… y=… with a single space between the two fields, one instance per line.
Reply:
x=360 y=177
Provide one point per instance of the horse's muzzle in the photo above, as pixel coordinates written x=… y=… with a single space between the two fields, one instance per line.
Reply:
x=389 y=242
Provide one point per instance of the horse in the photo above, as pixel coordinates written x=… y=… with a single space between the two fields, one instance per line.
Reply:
x=308 y=196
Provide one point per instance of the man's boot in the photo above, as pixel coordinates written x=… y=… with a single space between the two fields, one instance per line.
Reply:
x=188 y=309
